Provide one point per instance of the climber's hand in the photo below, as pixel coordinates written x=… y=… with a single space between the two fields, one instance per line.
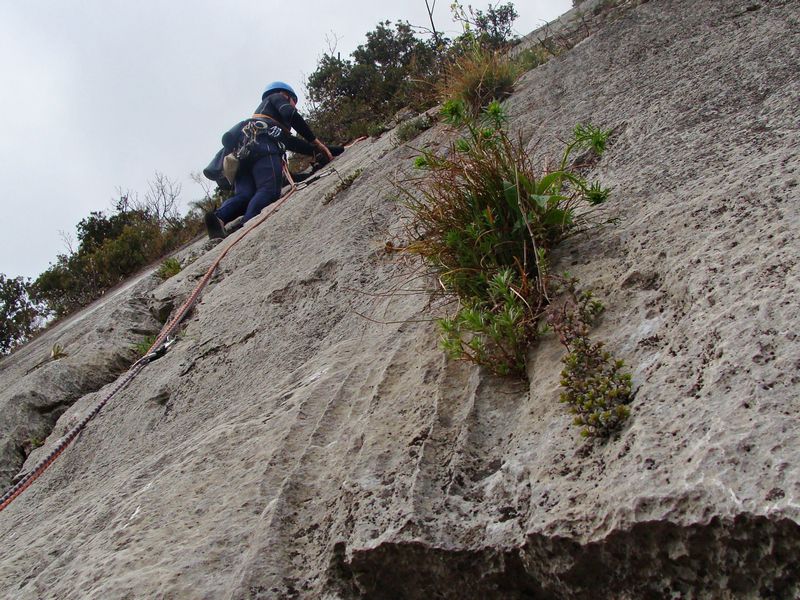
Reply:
x=324 y=150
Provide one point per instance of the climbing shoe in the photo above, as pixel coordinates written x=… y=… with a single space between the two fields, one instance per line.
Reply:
x=215 y=227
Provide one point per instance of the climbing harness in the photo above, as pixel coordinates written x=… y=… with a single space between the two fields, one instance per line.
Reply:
x=252 y=130
x=159 y=347
x=257 y=126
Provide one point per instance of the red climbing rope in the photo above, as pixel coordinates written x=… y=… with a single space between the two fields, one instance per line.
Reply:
x=135 y=369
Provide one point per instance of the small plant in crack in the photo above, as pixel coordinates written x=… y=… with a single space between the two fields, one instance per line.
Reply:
x=168 y=268
x=412 y=128
x=57 y=352
x=344 y=183
x=595 y=387
x=142 y=347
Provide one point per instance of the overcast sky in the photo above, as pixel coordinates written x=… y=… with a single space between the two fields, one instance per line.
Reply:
x=97 y=95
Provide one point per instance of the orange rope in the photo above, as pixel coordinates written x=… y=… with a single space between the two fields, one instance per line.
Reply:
x=355 y=141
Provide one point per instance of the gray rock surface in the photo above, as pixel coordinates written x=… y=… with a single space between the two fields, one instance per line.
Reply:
x=306 y=437
x=97 y=345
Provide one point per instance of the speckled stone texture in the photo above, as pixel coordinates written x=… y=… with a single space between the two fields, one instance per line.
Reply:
x=306 y=438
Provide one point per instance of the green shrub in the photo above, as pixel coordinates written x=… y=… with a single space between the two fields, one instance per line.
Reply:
x=493 y=333
x=20 y=313
x=485 y=221
x=490 y=29
x=394 y=68
x=530 y=58
x=31 y=444
x=168 y=268
x=352 y=96
x=376 y=130
x=595 y=387
x=112 y=249
x=412 y=128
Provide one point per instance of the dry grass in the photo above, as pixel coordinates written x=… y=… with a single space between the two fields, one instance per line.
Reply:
x=478 y=77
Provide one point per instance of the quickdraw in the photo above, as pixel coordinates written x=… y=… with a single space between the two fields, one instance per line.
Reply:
x=252 y=130
x=315 y=177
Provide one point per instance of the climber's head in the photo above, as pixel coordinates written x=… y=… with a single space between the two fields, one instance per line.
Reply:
x=280 y=86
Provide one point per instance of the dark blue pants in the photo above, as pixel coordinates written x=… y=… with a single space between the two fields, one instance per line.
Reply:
x=257 y=185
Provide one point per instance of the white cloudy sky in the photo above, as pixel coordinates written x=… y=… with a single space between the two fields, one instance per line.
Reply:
x=97 y=95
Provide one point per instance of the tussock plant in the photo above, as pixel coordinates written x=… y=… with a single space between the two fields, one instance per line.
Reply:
x=478 y=77
x=595 y=387
x=485 y=221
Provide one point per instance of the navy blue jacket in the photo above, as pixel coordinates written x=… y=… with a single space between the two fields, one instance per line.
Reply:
x=280 y=110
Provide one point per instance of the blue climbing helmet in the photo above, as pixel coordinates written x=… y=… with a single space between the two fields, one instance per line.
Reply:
x=279 y=86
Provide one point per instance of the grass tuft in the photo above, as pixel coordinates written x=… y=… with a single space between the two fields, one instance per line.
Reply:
x=142 y=347
x=168 y=268
x=344 y=183
x=478 y=77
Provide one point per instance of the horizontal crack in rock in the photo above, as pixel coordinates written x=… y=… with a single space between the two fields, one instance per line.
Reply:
x=747 y=556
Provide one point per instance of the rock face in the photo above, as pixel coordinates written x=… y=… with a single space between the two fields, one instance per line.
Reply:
x=40 y=384
x=306 y=437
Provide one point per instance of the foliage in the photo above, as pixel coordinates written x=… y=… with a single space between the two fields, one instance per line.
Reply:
x=485 y=221
x=395 y=68
x=491 y=29
x=112 y=247
x=530 y=58
x=412 y=128
x=19 y=314
x=31 y=444
x=479 y=76
x=493 y=333
x=344 y=183
x=168 y=268
x=78 y=278
x=595 y=387
x=97 y=227
x=376 y=129
x=350 y=96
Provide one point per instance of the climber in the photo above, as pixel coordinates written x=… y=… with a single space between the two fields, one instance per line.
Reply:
x=259 y=143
